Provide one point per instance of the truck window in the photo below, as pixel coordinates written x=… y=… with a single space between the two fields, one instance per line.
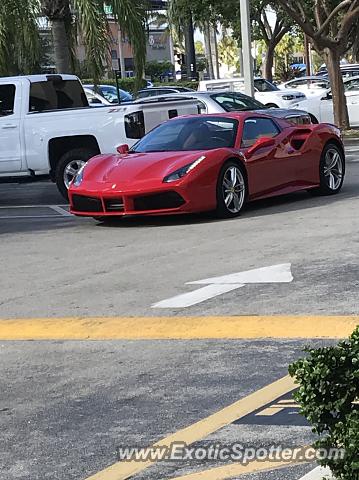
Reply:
x=56 y=95
x=7 y=100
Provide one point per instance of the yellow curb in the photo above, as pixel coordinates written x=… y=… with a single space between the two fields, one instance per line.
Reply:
x=183 y=328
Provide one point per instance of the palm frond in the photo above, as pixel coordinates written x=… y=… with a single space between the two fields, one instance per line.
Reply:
x=95 y=32
x=19 y=37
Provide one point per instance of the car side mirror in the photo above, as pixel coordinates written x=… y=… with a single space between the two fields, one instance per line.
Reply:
x=262 y=142
x=123 y=149
x=328 y=96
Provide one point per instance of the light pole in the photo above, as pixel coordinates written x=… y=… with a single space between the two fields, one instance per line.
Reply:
x=247 y=48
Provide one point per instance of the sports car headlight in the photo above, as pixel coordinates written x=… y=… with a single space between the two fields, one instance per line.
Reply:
x=181 y=172
x=78 y=177
x=288 y=97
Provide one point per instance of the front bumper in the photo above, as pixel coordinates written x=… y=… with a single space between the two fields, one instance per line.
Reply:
x=170 y=201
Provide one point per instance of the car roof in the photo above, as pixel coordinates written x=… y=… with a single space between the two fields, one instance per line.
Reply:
x=167 y=87
x=232 y=115
x=41 y=78
x=343 y=66
x=346 y=80
x=204 y=93
x=195 y=95
x=308 y=77
x=90 y=86
x=233 y=79
x=349 y=65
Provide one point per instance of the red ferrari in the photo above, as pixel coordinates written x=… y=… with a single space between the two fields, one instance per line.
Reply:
x=210 y=162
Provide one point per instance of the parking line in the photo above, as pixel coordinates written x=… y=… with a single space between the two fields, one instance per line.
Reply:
x=61 y=211
x=171 y=328
x=20 y=217
x=235 y=469
x=201 y=429
x=318 y=474
x=8 y=207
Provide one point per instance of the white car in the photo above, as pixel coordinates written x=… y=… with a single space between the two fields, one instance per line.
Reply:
x=96 y=100
x=310 y=86
x=265 y=92
x=219 y=102
x=321 y=105
x=47 y=126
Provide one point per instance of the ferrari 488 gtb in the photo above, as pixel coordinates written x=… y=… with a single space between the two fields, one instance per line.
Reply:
x=210 y=162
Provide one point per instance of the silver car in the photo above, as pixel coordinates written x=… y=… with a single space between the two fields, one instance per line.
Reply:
x=219 y=102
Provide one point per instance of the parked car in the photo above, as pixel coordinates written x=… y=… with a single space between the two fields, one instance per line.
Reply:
x=265 y=92
x=310 y=86
x=210 y=162
x=47 y=126
x=219 y=102
x=321 y=105
x=109 y=92
x=95 y=99
x=155 y=91
x=347 y=69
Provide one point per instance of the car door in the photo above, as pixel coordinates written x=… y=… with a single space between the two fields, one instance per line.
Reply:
x=271 y=168
x=352 y=95
x=10 y=112
x=326 y=110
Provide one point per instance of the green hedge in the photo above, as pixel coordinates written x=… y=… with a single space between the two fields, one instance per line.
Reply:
x=180 y=83
x=328 y=387
x=128 y=84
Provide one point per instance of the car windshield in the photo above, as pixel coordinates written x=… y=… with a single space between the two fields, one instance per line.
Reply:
x=263 y=85
x=185 y=134
x=236 y=102
x=110 y=93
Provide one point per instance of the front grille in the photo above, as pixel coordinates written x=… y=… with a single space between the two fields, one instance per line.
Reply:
x=159 y=201
x=86 y=204
x=114 y=204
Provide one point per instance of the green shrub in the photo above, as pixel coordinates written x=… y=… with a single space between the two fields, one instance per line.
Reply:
x=328 y=381
x=127 y=84
x=155 y=69
x=179 y=83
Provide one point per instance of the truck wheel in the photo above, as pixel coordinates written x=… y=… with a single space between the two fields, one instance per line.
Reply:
x=68 y=166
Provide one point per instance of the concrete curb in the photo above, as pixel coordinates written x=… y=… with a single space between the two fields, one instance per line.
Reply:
x=319 y=473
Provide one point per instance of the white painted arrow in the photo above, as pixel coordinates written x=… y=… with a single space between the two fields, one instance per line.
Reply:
x=224 y=284
x=274 y=274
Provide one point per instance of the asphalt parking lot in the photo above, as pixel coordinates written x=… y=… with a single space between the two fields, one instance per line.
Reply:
x=74 y=266
x=68 y=404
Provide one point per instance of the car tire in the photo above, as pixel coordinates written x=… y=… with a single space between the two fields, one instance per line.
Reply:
x=232 y=190
x=331 y=171
x=68 y=165
x=271 y=105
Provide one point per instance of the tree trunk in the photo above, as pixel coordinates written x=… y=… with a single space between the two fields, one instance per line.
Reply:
x=214 y=50
x=332 y=60
x=61 y=46
x=190 y=49
x=215 y=42
x=356 y=48
x=268 y=62
x=208 y=50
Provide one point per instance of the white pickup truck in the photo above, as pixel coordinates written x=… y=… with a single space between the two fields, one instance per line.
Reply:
x=47 y=126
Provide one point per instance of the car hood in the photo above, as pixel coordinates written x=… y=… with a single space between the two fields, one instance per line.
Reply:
x=137 y=168
x=295 y=93
x=282 y=112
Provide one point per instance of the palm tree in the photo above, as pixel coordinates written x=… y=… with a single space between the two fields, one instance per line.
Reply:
x=91 y=20
x=19 y=37
x=59 y=14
